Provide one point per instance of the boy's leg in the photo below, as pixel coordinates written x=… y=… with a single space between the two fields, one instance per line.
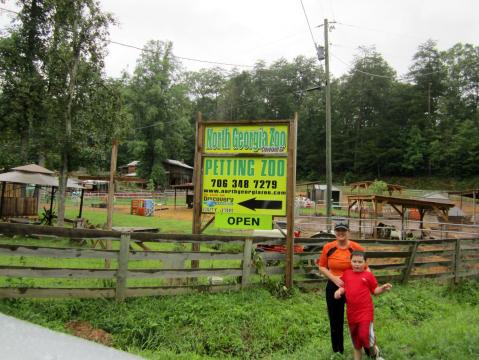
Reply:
x=357 y=347
x=358 y=354
x=336 y=317
x=371 y=349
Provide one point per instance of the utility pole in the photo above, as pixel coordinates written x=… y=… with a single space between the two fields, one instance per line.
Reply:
x=329 y=177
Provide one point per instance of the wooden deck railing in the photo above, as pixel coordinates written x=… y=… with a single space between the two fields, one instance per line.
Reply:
x=229 y=259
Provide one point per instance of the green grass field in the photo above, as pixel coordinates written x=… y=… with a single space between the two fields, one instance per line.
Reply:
x=423 y=320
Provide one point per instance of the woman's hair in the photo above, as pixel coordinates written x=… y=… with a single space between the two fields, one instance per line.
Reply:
x=359 y=253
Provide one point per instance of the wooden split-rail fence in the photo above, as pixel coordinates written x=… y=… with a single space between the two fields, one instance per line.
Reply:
x=32 y=264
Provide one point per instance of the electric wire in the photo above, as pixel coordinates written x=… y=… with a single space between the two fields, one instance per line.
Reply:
x=10 y=11
x=332 y=9
x=181 y=57
x=403 y=77
x=361 y=71
x=147 y=50
x=309 y=26
x=378 y=30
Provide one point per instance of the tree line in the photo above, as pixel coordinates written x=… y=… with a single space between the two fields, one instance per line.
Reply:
x=58 y=108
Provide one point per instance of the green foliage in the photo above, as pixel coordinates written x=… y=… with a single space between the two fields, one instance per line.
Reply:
x=52 y=87
x=378 y=187
x=254 y=324
x=158 y=106
x=466 y=293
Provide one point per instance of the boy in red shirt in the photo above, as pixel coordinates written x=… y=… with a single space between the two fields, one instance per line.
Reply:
x=359 y=284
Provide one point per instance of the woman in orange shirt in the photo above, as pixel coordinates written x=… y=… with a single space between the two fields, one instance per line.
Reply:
x=334 y=259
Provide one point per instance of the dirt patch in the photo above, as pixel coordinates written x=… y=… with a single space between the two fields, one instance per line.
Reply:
x=84 y=330
x=166 y=212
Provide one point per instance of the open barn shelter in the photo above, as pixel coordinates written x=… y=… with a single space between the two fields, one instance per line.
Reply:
x=400 y=205
x=316 y=191
x=472 y=194
x=188 y=196
x=20 y=190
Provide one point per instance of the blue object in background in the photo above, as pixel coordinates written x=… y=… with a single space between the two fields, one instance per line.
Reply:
x=149 y=205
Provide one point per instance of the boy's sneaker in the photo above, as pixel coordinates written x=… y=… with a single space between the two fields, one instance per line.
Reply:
x=378 y=353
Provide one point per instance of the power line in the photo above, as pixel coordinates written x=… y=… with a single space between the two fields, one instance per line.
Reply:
x=309 y=26
x=142 y=49
x=10 y=11
x=403 y=77
x=332 y=9
x=364 y=72
x=378 y=30
x=180 y=57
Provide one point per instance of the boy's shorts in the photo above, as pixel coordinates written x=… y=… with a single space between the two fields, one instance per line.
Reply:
x=362 y=334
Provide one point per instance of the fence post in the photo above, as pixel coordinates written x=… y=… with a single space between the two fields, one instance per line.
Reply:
x=122 y=271
x=457 y=260
x=248 y=245
x=410 y=264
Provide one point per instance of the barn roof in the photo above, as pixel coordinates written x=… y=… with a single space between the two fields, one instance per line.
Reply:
x=178 y=163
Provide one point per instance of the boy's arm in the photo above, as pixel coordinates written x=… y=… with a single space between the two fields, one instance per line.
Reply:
x=382 y=288
x=338 y=293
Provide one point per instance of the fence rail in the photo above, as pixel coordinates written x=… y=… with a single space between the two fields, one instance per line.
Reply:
x=226 y=262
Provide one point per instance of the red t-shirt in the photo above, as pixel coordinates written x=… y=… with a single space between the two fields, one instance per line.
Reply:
x=359 y=286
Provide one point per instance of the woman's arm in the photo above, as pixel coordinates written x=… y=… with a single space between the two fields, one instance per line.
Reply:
x=335 y=279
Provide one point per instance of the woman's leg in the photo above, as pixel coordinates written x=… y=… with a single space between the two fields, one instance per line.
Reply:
x=336 y=317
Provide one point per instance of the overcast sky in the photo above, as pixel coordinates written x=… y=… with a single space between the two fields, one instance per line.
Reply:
x=242 y=32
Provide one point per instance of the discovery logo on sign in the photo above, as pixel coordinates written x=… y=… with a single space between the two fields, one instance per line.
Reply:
x=210 y=203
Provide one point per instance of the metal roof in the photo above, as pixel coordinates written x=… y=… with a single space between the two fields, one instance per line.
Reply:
x=324 y=187
x=178 y=163
x=133 y=163
x=472 y=193
x=405 y=202
x=33 y=168
x=42 y=179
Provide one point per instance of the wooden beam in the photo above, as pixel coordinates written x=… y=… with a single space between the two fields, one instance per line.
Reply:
x=2 y=199
x=197 y=181
x=410 y=263
x=122 y=272
x=290 y=196
x=14 y=293
x=457 y=260
x=247 y=248
x=395 y=208
x=111 y=184
x=41 y=272
x=71 y=253
x=80 y=212
x=208 y=223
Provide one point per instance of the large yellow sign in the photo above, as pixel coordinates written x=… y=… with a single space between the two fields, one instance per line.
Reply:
x=246 y=139
x=244 y=185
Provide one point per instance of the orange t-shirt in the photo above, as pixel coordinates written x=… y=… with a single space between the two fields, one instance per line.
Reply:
x=338 y=261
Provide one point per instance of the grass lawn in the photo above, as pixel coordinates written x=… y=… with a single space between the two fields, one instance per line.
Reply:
x=120 y=219
x=421 y=320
